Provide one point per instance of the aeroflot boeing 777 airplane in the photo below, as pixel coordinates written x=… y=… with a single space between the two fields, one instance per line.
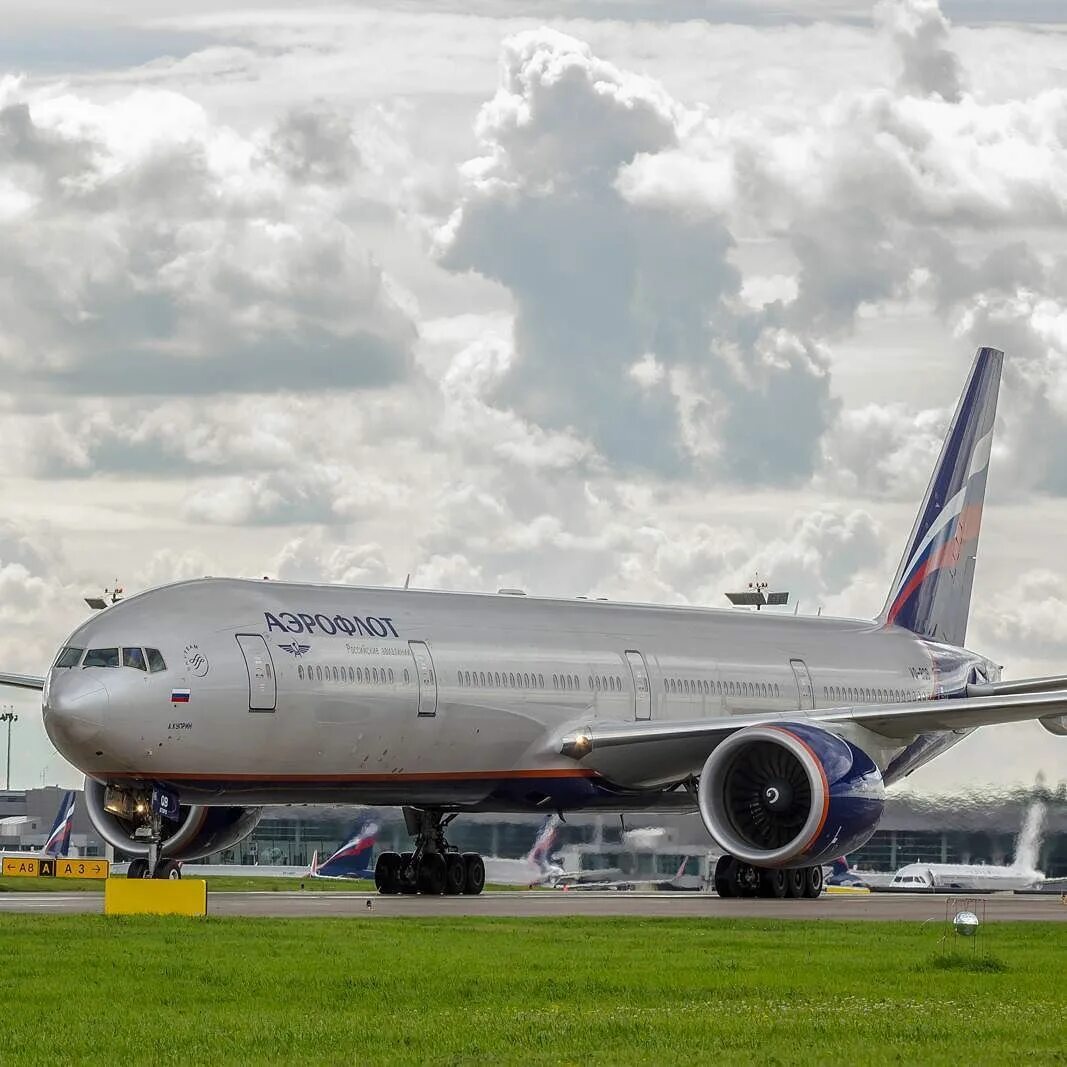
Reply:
x=783 y=732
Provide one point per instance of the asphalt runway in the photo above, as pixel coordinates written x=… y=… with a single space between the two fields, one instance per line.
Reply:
x=903 y=907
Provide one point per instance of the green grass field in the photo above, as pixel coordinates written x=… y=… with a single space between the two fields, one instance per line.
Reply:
x=541 y=991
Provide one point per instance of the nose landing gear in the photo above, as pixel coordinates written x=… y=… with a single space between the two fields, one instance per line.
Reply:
x=435 y=867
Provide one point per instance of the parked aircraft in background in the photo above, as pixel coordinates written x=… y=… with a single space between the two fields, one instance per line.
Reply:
x=536 y=867
x=211 y=699
x=352 y=859
x=1021 y=873
x=58 y=841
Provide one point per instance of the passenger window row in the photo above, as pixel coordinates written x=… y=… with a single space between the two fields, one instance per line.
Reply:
x=351 y=675
x=610 y=683
x=703 y=687
x=500 y=679
x=856 y=695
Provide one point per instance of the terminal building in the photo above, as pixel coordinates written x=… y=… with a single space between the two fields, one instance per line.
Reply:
x=973 y=828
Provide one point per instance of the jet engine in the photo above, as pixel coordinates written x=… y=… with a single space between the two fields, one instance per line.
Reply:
x=789 y=795
x=119 y=813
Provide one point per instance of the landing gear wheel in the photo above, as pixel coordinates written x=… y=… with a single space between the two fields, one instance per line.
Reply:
x=455 y=874
x=794 y=882
x=138 y=869
x=431 y=878
x=747 y=880
x=387 y=873
x=725 y=876
x=169 y=870
x=812 y=882
x=474 y=880
x=772 y=884
x=408 y=881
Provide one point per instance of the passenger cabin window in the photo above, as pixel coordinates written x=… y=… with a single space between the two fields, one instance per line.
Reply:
x=69 y=657
x=133 y=657
x=156 y=662
x=101 y=657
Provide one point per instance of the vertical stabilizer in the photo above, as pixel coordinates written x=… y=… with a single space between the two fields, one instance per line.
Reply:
x=58 y=842
x=931 y=594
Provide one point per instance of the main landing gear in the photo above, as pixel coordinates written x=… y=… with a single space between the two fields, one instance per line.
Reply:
x=435 y=867
x=736 y=879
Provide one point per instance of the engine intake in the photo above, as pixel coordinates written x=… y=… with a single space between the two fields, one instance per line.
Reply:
x=199 y=831
x=789 y=795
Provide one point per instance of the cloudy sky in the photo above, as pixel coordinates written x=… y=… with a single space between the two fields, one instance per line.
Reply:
x=610 y=297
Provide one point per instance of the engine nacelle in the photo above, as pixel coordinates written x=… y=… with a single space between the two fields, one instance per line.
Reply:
x=789 y=795
x=1055 y=724
x=199 y=831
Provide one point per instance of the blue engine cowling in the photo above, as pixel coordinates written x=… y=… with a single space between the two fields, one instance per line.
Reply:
x=789 y=795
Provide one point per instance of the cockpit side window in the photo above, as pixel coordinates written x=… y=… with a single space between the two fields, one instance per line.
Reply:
x=69 y=657
x=156 y=663
x=133 y=657
x=101 y=657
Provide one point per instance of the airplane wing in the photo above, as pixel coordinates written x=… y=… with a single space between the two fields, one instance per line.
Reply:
x=22 y=681
x=654 y=754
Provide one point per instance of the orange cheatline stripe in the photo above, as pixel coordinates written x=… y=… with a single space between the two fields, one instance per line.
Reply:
x=400 y=776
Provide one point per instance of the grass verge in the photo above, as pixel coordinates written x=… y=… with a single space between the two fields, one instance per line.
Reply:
x=534 y=991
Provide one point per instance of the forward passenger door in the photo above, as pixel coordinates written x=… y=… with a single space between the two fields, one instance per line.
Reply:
x=642 y=688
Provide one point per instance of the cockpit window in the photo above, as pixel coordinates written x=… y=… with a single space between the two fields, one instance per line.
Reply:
x=101 y=657
x=156 y=663
x=133 y=657
x=69 y=657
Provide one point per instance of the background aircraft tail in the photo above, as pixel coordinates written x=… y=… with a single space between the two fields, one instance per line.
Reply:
x=58 y=842
x=544 y=842
x=931 y=594
x=353 y=858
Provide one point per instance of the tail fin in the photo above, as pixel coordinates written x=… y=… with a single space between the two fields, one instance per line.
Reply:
x=313 y=869
x=58 y=841
x=931 y=594
x=353 y=858
x=546 y=838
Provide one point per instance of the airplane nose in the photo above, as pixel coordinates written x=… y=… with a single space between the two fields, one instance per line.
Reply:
x=74 y=714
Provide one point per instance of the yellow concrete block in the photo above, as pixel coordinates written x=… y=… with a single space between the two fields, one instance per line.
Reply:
x=155 y=896
x=82 y=868
x=847 y=890
x=14 y=867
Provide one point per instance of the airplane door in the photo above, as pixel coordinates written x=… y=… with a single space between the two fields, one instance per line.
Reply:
x=642 y=690
x=427 y=678
x=262 y=685
x=804 y=686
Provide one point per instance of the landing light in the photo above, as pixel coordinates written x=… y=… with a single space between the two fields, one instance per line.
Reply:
x=576 y=746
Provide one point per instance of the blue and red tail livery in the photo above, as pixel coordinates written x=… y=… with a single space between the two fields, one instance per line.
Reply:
x=544 y=842
x=353 y=858
x=58 y=842
x=931 y=594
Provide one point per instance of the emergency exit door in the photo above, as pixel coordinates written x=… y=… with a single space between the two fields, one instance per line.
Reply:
x=642 y=690
x=804 y=687
x=262 y=685
x=426 y=676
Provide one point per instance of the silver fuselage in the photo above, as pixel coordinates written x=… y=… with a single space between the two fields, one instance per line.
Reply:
x=451 y=699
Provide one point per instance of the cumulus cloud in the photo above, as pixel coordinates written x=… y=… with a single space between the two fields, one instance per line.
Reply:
x=150 y=249
x=603 y=278
x=921 y=34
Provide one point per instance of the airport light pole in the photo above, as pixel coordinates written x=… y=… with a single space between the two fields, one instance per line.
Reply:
x=9 y=717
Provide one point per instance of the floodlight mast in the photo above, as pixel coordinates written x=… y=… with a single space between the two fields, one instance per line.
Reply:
x=756 y=596
x=111 y=596
x=9 y=717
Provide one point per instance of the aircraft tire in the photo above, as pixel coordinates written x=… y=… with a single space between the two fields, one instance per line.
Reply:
x=432 y=873
x=726 y=876
x=387 y=874
x=772 y=883
x=138 y=868
x=455 y=874
x=168 y=870
x=474 y=871
x=407 y=878
x=812 y=882
x=794 y=882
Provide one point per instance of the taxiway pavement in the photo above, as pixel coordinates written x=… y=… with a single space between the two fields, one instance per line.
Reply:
x=903 y=907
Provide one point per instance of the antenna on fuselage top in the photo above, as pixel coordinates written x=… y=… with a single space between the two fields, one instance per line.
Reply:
x=756 y=596
x=111 y=596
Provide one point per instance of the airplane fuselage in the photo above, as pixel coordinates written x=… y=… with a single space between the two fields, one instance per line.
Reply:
x=275 y=692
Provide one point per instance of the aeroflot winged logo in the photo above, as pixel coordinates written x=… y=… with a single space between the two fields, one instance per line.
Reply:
x=295 y=648
x=303 y=622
